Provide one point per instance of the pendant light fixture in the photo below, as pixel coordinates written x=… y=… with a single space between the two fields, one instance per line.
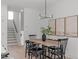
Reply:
x=45 y=13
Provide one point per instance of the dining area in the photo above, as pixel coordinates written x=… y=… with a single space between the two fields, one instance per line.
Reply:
x=45 y=49
x=40 y=29
x=57 y=39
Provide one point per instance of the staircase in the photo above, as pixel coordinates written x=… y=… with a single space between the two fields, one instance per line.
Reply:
x=11 y=34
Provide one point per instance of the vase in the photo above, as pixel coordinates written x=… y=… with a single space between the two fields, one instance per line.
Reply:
x=43 y=37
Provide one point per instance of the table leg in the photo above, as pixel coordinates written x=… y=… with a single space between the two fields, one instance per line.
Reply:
x=61 y=46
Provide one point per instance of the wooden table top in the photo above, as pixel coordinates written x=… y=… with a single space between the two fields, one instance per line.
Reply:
x=45 y=43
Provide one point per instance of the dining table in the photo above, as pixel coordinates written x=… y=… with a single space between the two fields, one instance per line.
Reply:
x=47 y=43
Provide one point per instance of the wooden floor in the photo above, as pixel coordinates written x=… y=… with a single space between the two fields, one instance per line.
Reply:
x=16 y=52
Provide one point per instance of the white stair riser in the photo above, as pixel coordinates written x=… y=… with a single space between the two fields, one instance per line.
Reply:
x=12 y=41
x=12 y=44
x=11 y=34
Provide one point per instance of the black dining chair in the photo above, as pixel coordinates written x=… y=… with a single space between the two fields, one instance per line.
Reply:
x=35 y=51
x=58 y=52
x=28 y=45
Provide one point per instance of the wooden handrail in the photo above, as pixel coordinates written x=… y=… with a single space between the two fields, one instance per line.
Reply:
x=15 y=26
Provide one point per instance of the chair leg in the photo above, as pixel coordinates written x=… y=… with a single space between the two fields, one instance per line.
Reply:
x=28 y=56
x=31 y=55
x=40 y=56
x=54 y=56
x=51 y=55
x=26 y=51
x=36 y=57
x=64 y=56
x=48 y=52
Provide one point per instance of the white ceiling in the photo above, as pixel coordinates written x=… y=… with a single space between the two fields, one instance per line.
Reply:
x=36 y=4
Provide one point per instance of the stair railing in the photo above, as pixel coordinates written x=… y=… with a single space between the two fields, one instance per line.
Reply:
x=16 y=32
x=15 y=26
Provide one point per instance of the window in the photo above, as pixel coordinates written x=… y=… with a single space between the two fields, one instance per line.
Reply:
x=60 y=26
x=10 y=15
x=71 y=26
x=65 y=26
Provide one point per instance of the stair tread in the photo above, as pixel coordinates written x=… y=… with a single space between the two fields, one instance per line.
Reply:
x=11 y=32
x=12 y=36
x=11 y=39
x=12 y=44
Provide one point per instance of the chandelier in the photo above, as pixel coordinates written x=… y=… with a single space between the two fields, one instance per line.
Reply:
x=45 y=13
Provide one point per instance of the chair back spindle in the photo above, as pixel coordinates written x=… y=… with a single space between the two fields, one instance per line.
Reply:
x=64 y=43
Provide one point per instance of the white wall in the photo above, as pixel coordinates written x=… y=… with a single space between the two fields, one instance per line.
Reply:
x=31 y=22
x=63 y=8
x=16 y=19
x=4 y=23
x=22 y=21
x=72 y=48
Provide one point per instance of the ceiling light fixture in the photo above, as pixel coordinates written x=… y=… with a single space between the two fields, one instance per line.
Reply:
x=45 y=15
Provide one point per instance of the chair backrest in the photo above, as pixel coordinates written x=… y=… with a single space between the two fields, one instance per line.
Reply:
x=28 y=43
x=63 y=42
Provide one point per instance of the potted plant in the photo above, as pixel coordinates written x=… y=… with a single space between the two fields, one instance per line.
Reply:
x=46 y=31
